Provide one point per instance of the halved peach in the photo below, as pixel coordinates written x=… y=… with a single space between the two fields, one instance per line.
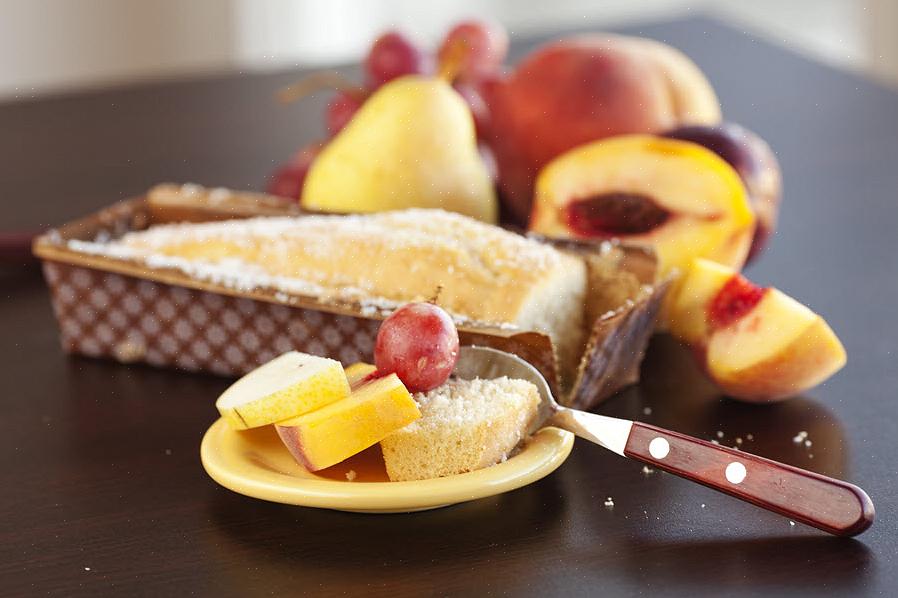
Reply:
x=756 y=343
x=675 y=196
x=581 y=89
x=752 y=158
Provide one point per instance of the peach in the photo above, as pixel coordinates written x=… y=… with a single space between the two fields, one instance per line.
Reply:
x=677 y=197
x=582 y=89
x=342 y=429
x=358 y=373
x=756 y=344
x=756 y=164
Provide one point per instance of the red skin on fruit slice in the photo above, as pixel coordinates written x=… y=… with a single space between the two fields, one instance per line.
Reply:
x=734 y=301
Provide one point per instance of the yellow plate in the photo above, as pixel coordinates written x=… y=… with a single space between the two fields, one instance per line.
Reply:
x=255 y=463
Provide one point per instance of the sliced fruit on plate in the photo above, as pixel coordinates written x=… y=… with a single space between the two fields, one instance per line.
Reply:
x=756 y=343
x=357 y=372
x=340 y=430
x=290 y=385
x=675 y=196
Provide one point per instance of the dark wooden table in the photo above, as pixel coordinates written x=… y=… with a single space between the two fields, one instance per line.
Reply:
x=103 y=491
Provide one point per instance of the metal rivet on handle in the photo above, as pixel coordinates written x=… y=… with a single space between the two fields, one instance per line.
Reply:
x=735 y=472
x=659 y=447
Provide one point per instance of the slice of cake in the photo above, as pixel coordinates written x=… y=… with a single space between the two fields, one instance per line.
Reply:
x=465 y=425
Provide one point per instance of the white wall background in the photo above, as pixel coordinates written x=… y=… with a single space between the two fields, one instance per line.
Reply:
x=55 y=45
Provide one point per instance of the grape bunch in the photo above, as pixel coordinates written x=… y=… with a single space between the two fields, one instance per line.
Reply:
x=469 y=56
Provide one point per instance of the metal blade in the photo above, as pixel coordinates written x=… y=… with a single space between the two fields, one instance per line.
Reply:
x=484 y=362
x=609 y=432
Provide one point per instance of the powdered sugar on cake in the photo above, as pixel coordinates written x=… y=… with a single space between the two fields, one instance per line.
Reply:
x=420 y=227
x=496 y=253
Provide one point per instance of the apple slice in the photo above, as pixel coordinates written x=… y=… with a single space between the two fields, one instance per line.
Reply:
x=285 y=387
x=340 y=430
x=756 y=343
x=675 y=196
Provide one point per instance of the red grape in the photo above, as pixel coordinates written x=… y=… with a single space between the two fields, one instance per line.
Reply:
x=289 y=177
x=340 y=111
x=419 y=343
x=481 y=45
x=393 y=55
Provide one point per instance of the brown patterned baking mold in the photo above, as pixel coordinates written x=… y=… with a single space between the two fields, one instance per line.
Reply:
x=111 y=308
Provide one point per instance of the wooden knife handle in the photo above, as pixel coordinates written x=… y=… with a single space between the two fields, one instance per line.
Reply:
x=832 y=505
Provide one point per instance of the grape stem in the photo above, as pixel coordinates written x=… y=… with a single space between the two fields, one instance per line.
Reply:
x=318 y=81
x=436 y=295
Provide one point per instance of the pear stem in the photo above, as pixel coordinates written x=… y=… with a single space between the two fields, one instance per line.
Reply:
x=318 y=81
x=451 y=64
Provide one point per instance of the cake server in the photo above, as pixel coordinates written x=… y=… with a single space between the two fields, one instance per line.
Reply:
x=828 y=504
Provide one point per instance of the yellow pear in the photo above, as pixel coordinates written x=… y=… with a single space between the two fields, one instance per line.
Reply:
x=412 y=144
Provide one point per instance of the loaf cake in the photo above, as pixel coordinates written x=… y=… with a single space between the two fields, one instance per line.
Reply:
x=481 y=273
x=465 y=425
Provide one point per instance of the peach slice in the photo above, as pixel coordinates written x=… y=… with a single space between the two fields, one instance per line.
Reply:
x=357 y=372
x=675 y=196
x=338 y=431
x=689 y=300
x=757 y=344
